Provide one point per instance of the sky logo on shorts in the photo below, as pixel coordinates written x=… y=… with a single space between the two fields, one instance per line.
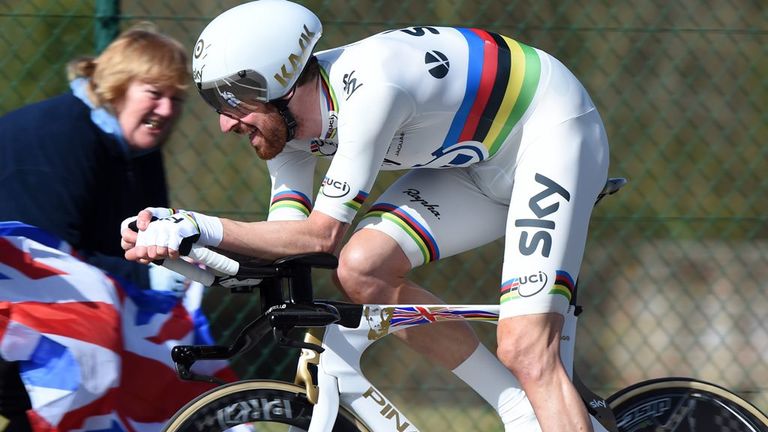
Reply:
x=529 y=244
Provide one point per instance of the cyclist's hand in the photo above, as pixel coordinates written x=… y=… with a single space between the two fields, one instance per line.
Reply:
x=173 y=236
x=128 y=235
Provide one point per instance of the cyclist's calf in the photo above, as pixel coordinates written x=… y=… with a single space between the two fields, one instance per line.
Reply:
x=529 y=346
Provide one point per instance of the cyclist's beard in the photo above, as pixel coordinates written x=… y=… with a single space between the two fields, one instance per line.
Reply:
x=274 y=133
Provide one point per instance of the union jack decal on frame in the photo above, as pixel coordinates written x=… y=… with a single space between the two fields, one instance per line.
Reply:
x=413 y=315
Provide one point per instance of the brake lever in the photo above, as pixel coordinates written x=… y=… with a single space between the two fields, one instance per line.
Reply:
x=183 y=359
x=283 y=340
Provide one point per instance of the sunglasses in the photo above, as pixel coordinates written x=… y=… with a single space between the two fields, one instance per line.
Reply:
x=236 y=95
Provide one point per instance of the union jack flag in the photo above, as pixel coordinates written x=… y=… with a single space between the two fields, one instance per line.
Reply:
x=94 y=353
x=413 y=315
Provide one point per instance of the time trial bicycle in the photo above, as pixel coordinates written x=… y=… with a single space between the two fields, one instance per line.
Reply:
x=330 y=391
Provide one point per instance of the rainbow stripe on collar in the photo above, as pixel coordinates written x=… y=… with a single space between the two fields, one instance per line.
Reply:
x=331 y=103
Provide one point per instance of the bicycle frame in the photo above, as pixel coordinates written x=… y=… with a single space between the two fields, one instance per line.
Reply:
x=340 y=379
x=350 y=329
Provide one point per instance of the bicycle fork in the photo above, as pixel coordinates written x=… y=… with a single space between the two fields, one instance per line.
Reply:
x=339 y=377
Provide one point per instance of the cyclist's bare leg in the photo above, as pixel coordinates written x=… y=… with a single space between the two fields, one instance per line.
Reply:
x=373 y=269
x=529 y=346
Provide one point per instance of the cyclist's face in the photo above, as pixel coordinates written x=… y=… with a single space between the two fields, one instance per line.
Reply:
x=147 y=113
x=265 y=128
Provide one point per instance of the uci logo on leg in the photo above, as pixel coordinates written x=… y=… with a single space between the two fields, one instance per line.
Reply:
x=334 y=188
x=532 y=284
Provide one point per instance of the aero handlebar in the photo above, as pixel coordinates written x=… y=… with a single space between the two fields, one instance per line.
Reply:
x=216 y=263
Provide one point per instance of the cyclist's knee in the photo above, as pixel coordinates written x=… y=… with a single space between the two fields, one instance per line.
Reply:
x=352 y=272
x=368 y=263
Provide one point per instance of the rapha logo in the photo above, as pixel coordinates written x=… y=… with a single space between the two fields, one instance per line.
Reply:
x=532 y=284
x=334 y=188
x=415 y=195
x=350 y=84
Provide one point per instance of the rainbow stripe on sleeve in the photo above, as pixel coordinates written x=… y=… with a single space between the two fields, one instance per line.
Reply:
x=501 y=81
x=357 y=201
x=291 y=199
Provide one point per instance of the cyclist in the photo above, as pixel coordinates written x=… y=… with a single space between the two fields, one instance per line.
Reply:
x=499 y=139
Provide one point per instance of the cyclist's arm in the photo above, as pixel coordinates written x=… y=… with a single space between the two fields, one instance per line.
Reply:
x=292 y=176
x=275 y=239
x=368 y=121
x=365 y=133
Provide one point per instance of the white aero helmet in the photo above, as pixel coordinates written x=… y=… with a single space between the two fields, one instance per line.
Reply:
x=253 y=52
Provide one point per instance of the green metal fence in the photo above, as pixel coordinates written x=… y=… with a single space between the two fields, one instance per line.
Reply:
x=676 y=268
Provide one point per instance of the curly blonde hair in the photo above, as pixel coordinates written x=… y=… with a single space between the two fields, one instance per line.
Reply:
x=141 y=52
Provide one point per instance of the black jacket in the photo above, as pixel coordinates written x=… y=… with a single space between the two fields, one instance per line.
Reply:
x=61 y=172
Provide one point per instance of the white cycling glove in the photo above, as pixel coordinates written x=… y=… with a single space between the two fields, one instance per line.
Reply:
x=158 y=212
x=171 y=230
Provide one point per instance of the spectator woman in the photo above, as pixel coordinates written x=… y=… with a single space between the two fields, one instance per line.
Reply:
x=79 y=163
